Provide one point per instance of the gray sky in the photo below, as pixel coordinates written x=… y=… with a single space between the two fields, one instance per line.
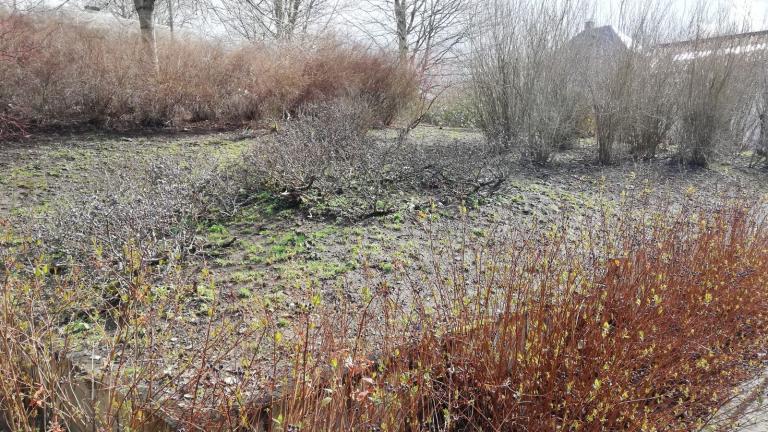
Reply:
x=751 y=13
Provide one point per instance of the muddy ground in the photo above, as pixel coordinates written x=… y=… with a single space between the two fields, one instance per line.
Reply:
x=268 y=248
x=274 y=258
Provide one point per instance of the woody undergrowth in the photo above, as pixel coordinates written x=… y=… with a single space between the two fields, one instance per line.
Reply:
x=629 y=320
x=642 y=322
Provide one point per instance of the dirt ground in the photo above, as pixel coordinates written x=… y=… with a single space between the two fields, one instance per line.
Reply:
x=277 y=256
x=268 y=248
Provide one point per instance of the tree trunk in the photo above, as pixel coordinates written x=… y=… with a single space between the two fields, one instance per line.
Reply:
x=279 y=19
x=145 y=10
x=603 y=135
x=401 y=21
x=293 y=18
x=170 y=18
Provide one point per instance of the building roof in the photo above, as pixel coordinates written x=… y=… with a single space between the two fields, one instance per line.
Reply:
x=739 y=37
x=606 y=41
x=603 y=38
x=739 y=44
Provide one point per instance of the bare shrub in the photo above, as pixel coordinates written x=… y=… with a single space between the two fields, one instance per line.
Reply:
x=326 y=160
x=15 y=45
x=534 y=82
x=454 y=108
x=757 y=135
x=523 y=86
x=131 y=381
x=541 y=333
x=137 y=213
x=315 y=154
x=715 y=91
x=545 y=314
x=651 y=110
x=148 y=209
x=644 y=101
x=90 y=75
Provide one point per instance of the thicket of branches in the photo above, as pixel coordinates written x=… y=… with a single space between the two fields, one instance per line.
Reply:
x=536 y=83
x=14 y=46
x=88 y=75
x=592 y=329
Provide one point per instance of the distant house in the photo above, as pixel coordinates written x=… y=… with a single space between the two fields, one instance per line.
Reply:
x=593 y=51
x=595 y=48
x=598 y=44
x=740 y=48
x=605 y=39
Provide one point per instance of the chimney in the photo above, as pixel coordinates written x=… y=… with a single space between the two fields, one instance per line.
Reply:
x=589 y=25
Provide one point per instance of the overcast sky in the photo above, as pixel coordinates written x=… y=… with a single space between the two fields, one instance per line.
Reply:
x=752 y=13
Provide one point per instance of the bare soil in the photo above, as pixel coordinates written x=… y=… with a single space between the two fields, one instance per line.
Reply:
x=277 y=256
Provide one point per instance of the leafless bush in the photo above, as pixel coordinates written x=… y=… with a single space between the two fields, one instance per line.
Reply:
x=144 y=206
x=133 y=381
x=757 y=135
x=454 y=171
x=650 y=110
x=13 y=32
x=137 y=214
x=715 y=89
x=315 y=153
x=524 y=87
x=606 y=79
x=90 y=75
x=326 y=161
x=643 y=85
x=534 y=80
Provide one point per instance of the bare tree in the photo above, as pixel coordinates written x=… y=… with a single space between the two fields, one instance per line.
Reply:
x=125 y=9
x=274 y=19
x=426 y=34
x=178 y=14
x=172 y=13
x=523 y=82
x=425 y=31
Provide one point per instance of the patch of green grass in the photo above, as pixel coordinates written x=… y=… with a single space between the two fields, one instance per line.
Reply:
x=206 y=293
x=286 y=247
x=386 y=267
x=217 y=229
x=248 y=276
x=27 y=178
x=76 y=327
x=254 y=252
x=326 y=269
x=323 y=232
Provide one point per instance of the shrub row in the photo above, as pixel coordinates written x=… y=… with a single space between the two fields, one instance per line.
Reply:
x=539 y=82
x=78 y=74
